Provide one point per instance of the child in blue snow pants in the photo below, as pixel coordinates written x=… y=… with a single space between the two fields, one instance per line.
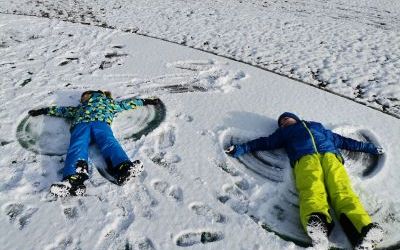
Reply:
x=91 y=121
x=101 y=134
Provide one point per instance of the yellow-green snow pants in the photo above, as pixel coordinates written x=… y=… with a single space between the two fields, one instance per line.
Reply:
x=322 y=177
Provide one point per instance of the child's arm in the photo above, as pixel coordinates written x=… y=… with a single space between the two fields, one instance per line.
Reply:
x=273 y=141
x=354 y=145
x=64 y=112
x=127 y=104
x=132 y=103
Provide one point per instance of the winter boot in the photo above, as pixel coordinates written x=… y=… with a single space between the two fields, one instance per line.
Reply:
x=73 y=184
x=317 y=230
x=125 y=171
x=82 y=167
x=372 y=234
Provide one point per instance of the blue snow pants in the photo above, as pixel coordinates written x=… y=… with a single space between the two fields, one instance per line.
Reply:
x=100 y=133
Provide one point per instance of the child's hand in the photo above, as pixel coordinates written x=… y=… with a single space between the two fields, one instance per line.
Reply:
x=151 y=101
x=230 y=150
x=380 y=150
x=235 y=150
x=36 y=112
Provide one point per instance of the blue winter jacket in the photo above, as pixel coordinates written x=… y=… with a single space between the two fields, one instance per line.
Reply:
x=98 y=108
x=304 y=138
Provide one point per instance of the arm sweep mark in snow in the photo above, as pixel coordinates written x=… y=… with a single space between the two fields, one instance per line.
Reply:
x=28 y=139
x=159 y=117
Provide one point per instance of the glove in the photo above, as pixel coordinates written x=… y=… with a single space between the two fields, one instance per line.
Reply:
x=236 y=150
x=36 y=112
x=380 y=150
x=151 y=101
x=372 y=149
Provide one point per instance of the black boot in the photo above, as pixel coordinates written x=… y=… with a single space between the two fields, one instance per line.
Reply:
x=73 y=184
x=317 y=230
x=125 y=171
x=371 y=235
x=82 y=167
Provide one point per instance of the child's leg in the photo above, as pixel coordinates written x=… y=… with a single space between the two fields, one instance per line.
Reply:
x=309 y=179
x=345 y=202
x=78 y=148
x=110 y=148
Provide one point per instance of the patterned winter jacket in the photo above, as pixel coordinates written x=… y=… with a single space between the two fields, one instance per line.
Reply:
x=307 y=137
x=97 y=108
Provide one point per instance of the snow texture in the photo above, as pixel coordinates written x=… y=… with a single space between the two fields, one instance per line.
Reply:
x=190 y=193
x=351 y=48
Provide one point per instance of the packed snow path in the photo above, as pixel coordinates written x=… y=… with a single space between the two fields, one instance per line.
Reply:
x=351 y=48
x=182 y=199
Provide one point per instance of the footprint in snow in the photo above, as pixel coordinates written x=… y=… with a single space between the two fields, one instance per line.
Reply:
x=184 y=117
x=66 y=242
x=19 y=214
x=233 y=194
x=166 y=138
x=141 y=244
x=72 y=208
x=234 y=197
x=165 y=161
x=112 y=234
x=126 y=214
x=144 y=202
x=71 y=213
x=159 y=151
x=207 y=212
x=173 y=192
x=239 y=181
x=193 y=238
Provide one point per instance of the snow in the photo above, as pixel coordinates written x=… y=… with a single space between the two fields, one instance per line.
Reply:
x=348 y=47
x=190 y=191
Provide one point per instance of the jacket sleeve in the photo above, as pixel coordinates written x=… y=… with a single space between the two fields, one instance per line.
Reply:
x=127 y=104
x=273 y=141
x=64 y=112
x=353 y=145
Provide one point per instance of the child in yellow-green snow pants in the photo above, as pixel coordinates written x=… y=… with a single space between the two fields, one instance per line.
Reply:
x=321 y=178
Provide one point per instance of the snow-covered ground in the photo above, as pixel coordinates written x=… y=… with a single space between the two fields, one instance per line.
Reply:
x=349 y=47
x=191 y=194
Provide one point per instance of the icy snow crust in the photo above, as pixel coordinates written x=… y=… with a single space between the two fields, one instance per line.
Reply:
x=190 y=193
x=349 y=47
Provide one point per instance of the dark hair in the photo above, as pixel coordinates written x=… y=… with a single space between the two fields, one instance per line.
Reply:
x=106 y=93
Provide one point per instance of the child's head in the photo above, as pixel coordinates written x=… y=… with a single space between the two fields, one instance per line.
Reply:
x=87 y=94
x=287 y=119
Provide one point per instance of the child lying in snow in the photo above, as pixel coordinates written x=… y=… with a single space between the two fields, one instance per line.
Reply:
x=320 y=175
x=91 y=120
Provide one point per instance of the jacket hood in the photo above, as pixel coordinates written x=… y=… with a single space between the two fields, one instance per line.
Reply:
x=288 y=114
